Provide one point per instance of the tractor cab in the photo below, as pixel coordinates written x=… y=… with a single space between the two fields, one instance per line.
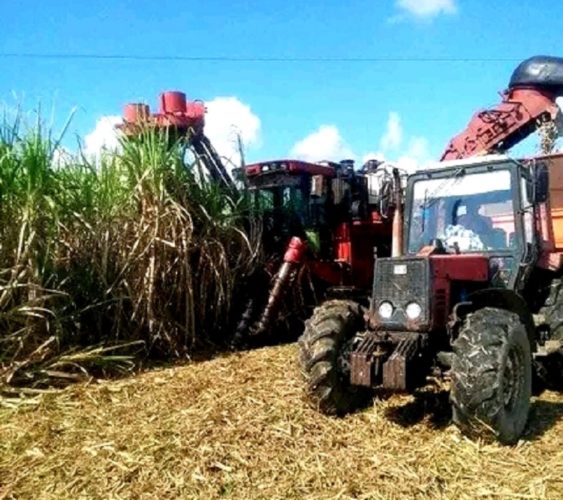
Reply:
x=296 y=198
x=474 y=208
x=469 y=229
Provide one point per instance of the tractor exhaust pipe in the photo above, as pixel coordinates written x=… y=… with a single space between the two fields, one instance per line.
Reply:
x=397 y=241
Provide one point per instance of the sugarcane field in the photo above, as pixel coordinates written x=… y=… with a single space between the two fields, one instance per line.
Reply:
x=222 y=278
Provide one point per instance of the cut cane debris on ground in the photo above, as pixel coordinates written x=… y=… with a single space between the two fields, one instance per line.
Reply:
x=237 y=426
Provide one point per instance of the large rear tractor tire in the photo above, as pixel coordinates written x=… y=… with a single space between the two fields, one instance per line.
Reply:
x=324 y=357
x=492 y=376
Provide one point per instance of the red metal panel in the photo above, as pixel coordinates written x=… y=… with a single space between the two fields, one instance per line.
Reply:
x=311 y=168
x=136 y=112
x=460 y=267
x=172 y=102
x=175 y=111
x=295 y=251
x=343 y=243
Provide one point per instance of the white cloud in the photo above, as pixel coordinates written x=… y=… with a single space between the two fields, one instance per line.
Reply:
x=227 y=119
x=325 y=143
x=416 y=156
x=416 y=153
x=419 y=147
x=426 y=9
x=393 y=135
x=104 y=137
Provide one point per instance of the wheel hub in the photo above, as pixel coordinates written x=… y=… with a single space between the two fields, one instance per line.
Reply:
x=513 y=378
x=344 y=359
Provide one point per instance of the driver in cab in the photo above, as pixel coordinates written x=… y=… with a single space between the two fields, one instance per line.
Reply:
x=474 y=221
x=482 y=227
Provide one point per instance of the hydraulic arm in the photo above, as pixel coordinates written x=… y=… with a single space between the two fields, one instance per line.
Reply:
x=528 y=102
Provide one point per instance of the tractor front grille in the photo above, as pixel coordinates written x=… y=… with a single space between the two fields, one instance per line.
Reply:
x=401 y=281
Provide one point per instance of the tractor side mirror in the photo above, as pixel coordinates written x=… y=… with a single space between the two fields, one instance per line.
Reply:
x=317 y=186
x=538 y=188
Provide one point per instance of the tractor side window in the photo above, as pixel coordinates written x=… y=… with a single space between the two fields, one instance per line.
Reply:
x=264 y=199
x=293 y=199
x=287 y=201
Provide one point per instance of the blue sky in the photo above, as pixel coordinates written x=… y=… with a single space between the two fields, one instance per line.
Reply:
x=278 y=105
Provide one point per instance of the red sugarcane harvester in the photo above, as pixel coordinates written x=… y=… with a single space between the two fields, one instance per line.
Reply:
x=524 y=106
x=476 y=292
x=329 y=218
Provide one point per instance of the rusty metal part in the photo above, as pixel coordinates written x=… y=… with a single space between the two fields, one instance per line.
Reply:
x=519 y=114
x=401 y=370
x=391 y=360
x=365 y=361
x=397 y=238
x=274 y=299
x=455 y=319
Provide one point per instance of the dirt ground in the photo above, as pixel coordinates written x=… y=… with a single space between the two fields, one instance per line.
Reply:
x=237 y=427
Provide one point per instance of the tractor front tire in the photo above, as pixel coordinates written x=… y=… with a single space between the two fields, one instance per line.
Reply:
x=323 y=348
x=492 y=376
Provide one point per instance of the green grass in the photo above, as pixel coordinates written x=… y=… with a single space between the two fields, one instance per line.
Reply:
x=105 y=263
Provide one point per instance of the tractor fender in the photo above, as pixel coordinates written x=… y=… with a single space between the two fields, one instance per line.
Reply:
x=503 y=299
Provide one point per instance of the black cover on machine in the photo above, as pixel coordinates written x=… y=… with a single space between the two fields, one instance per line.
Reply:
x=539 y=71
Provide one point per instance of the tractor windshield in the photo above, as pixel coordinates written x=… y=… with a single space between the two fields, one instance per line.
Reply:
x=467 y=212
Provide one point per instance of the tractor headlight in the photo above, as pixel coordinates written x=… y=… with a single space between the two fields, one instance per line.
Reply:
x=385 y=310
x=413 y=310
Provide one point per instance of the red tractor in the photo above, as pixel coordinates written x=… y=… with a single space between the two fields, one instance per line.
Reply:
x=476 y=292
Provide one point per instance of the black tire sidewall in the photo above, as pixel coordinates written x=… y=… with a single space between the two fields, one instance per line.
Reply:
x=333 y=395
x=481 y=353
x=516 y=417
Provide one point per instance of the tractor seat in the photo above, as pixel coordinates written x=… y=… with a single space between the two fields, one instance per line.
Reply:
x=544 y=72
